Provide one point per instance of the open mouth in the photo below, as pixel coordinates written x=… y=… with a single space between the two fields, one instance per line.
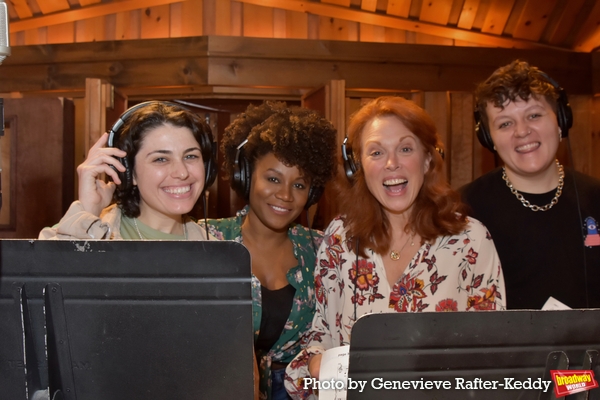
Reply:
x=526 y=148
x=395 y=185
x=178 y=190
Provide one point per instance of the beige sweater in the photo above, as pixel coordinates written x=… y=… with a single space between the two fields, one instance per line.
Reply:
x=78 y=224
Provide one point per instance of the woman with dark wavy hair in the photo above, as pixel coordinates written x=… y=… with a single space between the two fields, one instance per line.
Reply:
x=159 y=164
x=403 y=242
x=278 y=159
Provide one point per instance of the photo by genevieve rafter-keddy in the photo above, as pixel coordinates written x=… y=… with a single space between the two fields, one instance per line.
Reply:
x=350 y=384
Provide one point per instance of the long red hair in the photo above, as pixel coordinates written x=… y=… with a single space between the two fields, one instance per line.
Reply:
x=437 y=210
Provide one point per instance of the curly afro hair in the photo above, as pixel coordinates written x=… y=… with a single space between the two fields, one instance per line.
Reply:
x=517 y=80
x=297 y=136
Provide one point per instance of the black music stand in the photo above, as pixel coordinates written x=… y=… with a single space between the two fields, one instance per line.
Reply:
x=125 y=320
x=489 y=345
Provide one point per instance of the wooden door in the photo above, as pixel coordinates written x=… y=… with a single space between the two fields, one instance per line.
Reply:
x=38 y=167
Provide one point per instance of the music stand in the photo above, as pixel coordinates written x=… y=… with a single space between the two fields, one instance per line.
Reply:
x=130 y=319
x=489 y=345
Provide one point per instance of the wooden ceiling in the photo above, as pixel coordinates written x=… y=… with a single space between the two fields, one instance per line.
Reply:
x=571 y=25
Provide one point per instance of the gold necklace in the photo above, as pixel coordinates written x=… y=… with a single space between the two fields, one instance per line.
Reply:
x=137 y=228
x=533 y=207
x=395 y=255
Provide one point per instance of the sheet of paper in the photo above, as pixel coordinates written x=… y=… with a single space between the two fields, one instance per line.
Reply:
x=334 y=369
x=553 y=304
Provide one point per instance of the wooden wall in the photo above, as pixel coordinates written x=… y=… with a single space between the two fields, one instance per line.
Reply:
x=219 y=17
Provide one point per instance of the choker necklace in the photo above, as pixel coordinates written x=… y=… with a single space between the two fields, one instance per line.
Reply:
x=137 y=228
x=533 y=207
x=395 y=255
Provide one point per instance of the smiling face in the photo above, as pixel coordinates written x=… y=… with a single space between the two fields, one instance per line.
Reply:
x=278 y=193
x=169 y=173
x=526 y=136
x=394 y=162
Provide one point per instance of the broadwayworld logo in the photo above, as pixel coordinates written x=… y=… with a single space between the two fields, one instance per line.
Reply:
x=567 y=382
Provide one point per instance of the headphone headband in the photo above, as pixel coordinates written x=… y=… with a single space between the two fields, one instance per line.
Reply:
x=242 y=178
x=207 y=146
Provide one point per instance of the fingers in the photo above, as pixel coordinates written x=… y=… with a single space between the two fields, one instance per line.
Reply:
x=99 y=155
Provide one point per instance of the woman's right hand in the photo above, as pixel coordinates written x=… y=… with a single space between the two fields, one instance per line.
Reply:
x=94 y=193
x=314 y=365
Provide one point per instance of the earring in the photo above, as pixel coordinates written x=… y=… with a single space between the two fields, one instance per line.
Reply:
x=495 y=148
x=559 y=135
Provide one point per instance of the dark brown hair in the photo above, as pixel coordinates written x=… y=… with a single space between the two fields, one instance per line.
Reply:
x=517 y=80
x=437 y=210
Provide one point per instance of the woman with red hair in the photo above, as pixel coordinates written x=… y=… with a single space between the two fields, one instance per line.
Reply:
x=403 y=242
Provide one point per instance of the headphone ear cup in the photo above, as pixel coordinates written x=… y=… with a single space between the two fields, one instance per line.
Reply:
x=564 y=113
x=350 y=167
x=482 y=133
x=242 y=175
x=314 y=194
x=113 y=137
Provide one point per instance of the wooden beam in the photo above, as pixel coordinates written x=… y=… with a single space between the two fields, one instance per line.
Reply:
x=237 y=62
x=85 y=13
x=344 y=13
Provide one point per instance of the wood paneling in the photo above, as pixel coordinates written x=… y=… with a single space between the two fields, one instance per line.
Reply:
x=461 y=145
x=296 y=25
x=467 y=16
x=258 y=21
x=63 y=33
x=435 y=11
x=398 y=8
x=490 y=23
x=43 y=162
x=534 y=19
x=497 y=16
x=372 y=33
x=155 y=22
x=579 y=136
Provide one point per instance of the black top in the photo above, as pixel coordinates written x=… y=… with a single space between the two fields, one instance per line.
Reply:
x=276 y=307
x=543 y=253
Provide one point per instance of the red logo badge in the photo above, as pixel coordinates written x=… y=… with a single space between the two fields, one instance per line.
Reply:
x=567 y=381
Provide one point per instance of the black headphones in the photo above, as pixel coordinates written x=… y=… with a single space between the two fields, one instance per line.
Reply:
x=207 y=146
x=242 y=178
x=564 y=116
x=351 y=167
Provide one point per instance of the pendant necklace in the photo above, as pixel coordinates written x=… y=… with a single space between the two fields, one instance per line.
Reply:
x=395 y=255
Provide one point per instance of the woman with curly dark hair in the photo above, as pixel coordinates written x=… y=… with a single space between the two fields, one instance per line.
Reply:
x=160 y=159
x=278 y=159
x=403 y=242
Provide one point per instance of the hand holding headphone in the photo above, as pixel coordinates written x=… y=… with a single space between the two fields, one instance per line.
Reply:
x=207 y=146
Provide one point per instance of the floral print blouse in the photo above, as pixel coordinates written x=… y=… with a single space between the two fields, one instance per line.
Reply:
x=455 y=273
x=301 y=277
